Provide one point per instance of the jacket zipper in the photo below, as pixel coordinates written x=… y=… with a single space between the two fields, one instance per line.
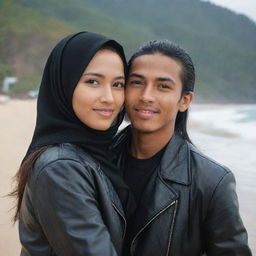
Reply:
x=150 y=222
x=172 y=227
x=125 y=223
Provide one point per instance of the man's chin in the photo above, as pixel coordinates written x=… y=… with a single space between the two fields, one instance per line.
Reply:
x=142 y=128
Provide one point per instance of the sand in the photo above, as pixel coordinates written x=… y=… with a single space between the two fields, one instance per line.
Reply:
x=17 y=123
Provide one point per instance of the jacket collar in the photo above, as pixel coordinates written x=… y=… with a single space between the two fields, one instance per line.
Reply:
x=158 y=195
x=175 y=161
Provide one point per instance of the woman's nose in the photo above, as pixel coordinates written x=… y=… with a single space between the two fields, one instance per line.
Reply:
x=107 y=95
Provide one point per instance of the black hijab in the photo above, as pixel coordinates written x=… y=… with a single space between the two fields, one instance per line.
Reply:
x=56 y=121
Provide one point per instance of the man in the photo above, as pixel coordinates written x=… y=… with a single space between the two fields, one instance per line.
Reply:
x=186 y=203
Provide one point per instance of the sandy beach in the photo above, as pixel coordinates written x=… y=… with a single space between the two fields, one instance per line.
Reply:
x=17 y=124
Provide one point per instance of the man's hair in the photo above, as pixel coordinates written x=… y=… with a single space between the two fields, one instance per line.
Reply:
x=169 y=49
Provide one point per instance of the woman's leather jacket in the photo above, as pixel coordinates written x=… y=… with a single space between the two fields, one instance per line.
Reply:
x=70 y=208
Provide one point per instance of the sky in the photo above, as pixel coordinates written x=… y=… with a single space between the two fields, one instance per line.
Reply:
x=247 y=7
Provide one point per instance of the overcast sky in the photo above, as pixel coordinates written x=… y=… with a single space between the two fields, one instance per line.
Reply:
x=247 y=7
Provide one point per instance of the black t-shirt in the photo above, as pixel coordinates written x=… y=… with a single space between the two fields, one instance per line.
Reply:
x=137 y=172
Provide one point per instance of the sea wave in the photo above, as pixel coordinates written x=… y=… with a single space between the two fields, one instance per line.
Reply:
x=228 y=121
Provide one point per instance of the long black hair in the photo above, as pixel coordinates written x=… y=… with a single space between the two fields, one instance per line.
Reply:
x=169 y=49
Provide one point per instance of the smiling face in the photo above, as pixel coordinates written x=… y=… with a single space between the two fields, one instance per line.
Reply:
x=153 y=93
x=99 y=94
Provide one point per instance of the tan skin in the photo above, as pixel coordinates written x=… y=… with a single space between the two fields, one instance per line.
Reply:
x=99 y=94
x=153 y=99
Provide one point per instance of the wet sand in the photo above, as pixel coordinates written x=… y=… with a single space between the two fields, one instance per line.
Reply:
x=17 y=124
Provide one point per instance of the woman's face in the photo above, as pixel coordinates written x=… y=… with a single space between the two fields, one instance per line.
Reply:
x=99 y=94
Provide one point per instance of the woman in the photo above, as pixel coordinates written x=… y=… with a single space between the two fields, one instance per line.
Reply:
x=66 y=187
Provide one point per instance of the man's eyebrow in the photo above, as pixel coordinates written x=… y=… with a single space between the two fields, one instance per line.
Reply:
x=165 y=79
x=161 y=79
x=136 y=75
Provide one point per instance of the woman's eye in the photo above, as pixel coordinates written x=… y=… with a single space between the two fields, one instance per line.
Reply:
x=118 y=85
x=92 y=81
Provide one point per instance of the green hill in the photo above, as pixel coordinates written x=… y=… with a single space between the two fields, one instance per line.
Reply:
x=222 y=43
x=29 y=30
x=26 y=38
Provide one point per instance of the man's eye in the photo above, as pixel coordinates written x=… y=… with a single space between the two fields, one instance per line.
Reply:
x=135 y=82
x=164 y=86
x=92 y=81
x=118 y=85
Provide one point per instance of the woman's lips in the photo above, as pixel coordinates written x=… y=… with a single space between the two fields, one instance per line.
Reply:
x=105 y=112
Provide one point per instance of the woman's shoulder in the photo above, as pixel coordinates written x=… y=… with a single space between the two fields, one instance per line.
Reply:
x=64 y=152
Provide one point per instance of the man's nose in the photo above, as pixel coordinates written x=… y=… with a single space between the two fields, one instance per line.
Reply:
x=147 y=94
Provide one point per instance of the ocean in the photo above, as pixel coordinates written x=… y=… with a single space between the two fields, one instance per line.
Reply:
x=231 y=120
x=228 y=135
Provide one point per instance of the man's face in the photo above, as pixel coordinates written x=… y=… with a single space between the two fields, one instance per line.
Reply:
x=153 y=93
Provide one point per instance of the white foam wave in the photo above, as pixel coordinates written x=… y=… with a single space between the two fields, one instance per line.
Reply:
x=229 y=119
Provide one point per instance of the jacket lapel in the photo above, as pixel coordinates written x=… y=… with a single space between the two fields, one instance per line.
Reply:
x=159 y=194
x=176 y=161
x=156 y=198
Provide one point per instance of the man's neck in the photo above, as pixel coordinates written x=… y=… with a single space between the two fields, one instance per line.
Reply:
x=145 y=145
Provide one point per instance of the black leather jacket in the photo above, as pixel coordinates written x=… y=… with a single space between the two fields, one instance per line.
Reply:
x=189 y=207
x=70 y=208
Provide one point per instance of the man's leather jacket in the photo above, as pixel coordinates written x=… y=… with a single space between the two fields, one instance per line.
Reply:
x=70 y=208
x=189 y=207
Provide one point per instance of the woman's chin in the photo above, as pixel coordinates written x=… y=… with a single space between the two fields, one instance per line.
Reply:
x=100 y=126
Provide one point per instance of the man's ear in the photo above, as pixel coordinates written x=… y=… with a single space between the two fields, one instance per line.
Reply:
x=185 y=101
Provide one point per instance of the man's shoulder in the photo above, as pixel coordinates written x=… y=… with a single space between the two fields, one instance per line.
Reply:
x=204 y=165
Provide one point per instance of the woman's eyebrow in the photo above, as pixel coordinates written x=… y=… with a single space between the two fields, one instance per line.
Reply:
x=93 y=74
x=102 y=76
x=119 y=77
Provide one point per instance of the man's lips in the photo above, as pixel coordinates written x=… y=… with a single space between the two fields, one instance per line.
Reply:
x=146 y=112
x=105 y=112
